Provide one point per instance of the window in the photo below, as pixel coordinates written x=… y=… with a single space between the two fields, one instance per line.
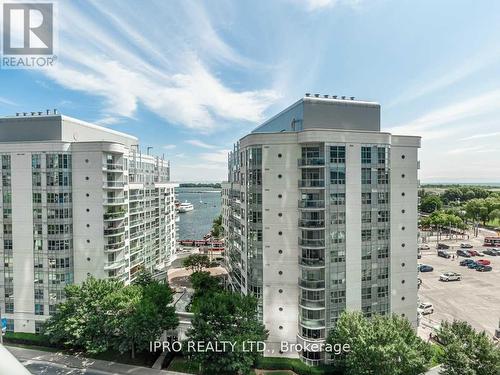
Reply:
x=383 y=234
x=9 y=307
x=366 y=293
x=383 y=216
x=338 y=218
x=366 y=235
x=383 y=252
x=338 y=296
x=366 y=274
x=337 y=177
x=38 y=326
x=337 y=154
x=38 y=309
x=383 y=198
x=366 y=155
x=36 y=161
x=382 y=291
x=383 y=273
x=337 y=199
x=382 y=176
x=366 y=176
x=381 y=155
x=37 y=197
x=366 y=217
x=366 y=198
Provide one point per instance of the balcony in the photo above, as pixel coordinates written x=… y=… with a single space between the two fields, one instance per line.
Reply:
x=114 y=231
x=136 y=198
x=311 y=162
x=312 y=242
x=312 y=224
x=114 y=264
x=115 y=246
x=312 y=204
x=111 y=201
x=312 y=284
x=312 y=323
x=109 y=167
x=311 y=262
x=312 y=304
x=111 y=216
x=312 y=184
x=113 y=185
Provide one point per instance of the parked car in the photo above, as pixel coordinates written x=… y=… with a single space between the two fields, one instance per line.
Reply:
x=424 y=247
x=491 y=252
x=425 y=308
x=442 y=246
x=425 y=268
x=450 y=276
x=444 y=254
x=466 y=262
x=466 y=246
x=473 y=253
x=483 y=262
x=482 y=268
x=472 y=265
x=463 y=253
x=480 y=253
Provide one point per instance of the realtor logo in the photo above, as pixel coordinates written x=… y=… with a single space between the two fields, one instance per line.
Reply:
x=28 y=35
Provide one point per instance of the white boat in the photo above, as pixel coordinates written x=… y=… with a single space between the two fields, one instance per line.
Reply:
x=185 y=207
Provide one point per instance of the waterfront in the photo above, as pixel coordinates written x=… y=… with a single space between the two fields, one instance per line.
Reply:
x=207 y=205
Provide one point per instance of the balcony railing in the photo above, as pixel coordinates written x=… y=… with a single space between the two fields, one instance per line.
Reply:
x=114 y=200
x=113 y=167
x=312 y=323
x=313 y=304
x=309 y=223
x=114 y=215
x=114 y=264
x=311 y=162
x=113 y=184
x=312 y=262
x=312 y=284
x=312 y=242
x=312 y=204
x=114 y=231
x=114 y=246
x=312 y=183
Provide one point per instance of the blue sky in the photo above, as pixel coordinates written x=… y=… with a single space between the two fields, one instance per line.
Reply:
x=191 y=77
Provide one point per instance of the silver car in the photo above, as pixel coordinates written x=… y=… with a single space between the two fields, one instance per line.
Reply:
x=450 y=276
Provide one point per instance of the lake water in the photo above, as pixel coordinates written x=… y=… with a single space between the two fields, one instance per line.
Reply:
x=207 y=206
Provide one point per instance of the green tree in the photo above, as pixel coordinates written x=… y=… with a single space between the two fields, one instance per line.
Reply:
x=204 y=285
x=430 y=203
x=227 y=316
x=466 y=351
x=217 y=228
x=143 y=278
x=81 y=321
x=495 y=214
x=197 y=262
x=381 y=345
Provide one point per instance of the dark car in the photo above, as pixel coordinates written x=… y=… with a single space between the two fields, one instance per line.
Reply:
x=472 y=265
x=482 y=268
x=466 y=262
x=442 y=246
x=425 y=268
x=466 y=246
x=473 y=253
x=491 y=252
x=444 y=254
x=463 y=253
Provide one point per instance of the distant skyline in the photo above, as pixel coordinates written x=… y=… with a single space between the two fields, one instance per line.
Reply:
x=190 y=78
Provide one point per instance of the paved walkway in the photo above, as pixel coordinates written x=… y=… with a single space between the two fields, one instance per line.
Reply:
x=94 y=365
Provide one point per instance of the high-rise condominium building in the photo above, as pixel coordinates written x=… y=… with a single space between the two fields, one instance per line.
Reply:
x=76 y=200
x=320 y=213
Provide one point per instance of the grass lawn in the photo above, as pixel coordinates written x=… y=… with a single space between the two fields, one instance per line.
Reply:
x=183 y=364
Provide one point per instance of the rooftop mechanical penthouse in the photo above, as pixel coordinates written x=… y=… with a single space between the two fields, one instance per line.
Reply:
x=320 y=213
x=76 y=200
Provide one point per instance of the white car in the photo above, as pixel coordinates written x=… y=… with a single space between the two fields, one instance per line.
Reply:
x=425 y=308
x=450 y=276
x=424 y=247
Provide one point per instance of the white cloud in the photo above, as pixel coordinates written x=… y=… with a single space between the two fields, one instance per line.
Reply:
x=7 y=101
x=107 y=120
x=169 y=147
x=219 y=157
x=160 y=71
x=198 y=143
x=313 y=5
x=479 y=136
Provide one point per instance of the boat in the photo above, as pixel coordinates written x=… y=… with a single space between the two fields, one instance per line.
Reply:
x=185 y=207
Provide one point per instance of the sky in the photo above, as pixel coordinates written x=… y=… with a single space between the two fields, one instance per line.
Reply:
x=190 y=78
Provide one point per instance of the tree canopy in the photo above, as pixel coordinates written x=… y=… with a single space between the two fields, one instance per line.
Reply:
x=380 y=345
x=99 y=315
x=430 y=203
x=197 y=262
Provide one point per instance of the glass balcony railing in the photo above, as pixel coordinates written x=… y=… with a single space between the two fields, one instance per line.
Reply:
x=312 y=323
x=115 y=246
x=312 y=183
x=312 y=204
x=114 y=231
x=113 y=265
x=113 y=184
x=312 y=284
x=114 y=200
x=309 y=223
x=113 y=167
x=312 y=262
x=114 y=215
x=312 y=242
x=311 y=162
x=313 y=304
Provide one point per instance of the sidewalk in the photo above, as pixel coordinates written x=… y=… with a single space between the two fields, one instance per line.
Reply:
x=23 y=354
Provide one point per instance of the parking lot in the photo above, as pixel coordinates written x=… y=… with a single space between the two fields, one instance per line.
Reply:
x=475 y=299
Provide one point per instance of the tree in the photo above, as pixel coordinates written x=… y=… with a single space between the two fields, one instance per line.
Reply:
x=467 y=352
x=217 y=228
x=227 y=316
x=203 y=285
x=197 y=262
x=143 y=278
x=495 y=214
x=81 y=320
x=430 y=203
x=381 y=345
x=104 y=314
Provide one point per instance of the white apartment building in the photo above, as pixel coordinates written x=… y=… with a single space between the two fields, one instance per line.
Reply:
x=320 y=214
x=76 y=200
